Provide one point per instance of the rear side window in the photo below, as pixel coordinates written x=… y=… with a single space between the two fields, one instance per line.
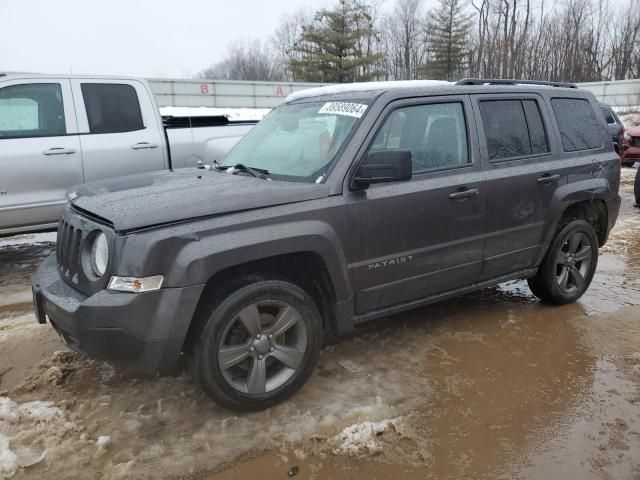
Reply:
x=579 y=127
x=112 y=107
x=607 y=115
x=435 y=133
x=513 y=128
x=32 y=110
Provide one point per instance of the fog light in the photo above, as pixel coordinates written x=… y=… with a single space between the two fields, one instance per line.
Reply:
x=135 y=285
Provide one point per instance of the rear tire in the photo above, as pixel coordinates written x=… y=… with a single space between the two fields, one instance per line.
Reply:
x=259 y=343
x=568 y=266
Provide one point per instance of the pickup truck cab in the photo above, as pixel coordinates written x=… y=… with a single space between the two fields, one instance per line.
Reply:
x=345 y=204
x=59 y=131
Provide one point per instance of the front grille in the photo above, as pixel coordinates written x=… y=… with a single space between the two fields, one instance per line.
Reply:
x=75 y=233
x=68 y=250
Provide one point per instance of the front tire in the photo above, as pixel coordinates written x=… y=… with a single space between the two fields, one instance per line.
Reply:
x=258 y=345
x=568 y=267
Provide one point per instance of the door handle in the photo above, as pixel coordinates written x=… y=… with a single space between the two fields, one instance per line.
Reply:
x=546 y=179
x=59 y=151
x=464 y=194
x=143 y=145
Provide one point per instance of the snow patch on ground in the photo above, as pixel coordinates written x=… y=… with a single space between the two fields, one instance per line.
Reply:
x=36 y=411
x=362 y=439
x=630 y=117
x=8 y=459
x=28 y=239
x=31 y=432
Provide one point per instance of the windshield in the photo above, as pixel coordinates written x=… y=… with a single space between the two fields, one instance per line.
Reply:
x=297 y=142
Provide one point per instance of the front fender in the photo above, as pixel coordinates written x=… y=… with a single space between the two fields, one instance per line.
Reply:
x=197 y=261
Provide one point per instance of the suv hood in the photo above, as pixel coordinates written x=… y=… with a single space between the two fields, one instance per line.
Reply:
x=167 y=196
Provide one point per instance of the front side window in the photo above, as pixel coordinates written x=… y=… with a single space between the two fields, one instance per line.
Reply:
x=112 y=107
x=32 y=110
x=298 y=142
x=513 y=128
x=579 y=127
x=435 y=133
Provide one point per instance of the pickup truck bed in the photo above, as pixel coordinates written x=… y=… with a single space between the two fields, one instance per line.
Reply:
x=191 y=139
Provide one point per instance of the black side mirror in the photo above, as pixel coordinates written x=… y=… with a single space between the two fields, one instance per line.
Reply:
x=383 y=166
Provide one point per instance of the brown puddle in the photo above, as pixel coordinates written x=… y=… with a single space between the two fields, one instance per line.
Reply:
x=503 y=384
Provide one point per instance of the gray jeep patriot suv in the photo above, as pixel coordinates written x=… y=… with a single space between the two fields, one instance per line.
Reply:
x=345 y=204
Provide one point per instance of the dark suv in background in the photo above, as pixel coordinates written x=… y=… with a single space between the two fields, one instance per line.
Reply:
x=345 y=204
x=616 y=130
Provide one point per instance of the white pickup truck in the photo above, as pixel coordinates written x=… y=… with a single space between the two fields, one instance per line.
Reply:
x=59 y=131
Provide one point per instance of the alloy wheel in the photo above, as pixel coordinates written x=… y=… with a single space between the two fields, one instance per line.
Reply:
x=262 y=347
x=573 y=262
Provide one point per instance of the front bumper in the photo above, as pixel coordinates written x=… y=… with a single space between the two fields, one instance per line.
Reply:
x=144 y=331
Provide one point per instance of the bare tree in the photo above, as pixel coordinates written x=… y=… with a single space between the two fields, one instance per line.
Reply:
x=625 y=44
x=285 y=37
x=569 y=40
x=246 y=60
x=404 y=39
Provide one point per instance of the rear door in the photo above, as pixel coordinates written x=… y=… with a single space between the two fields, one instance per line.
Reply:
x=40 y=157
x=516 y=144
x=423 y=237
x=118 y=126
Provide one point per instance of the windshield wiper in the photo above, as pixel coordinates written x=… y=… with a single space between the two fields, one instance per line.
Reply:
x=241 y=167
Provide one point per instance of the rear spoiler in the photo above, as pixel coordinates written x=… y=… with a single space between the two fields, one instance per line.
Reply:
x=171 y=121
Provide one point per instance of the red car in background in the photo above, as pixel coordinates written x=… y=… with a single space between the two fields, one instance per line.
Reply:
x=631 y=146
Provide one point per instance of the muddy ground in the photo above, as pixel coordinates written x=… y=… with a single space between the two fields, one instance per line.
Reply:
x=491 y=385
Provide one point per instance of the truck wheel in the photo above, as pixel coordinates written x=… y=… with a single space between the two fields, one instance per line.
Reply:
x=636 y=187
x=568 y=267
x=258 y=346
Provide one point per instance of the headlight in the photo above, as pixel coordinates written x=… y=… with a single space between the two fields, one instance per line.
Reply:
x=134 y=284
x=99 y=254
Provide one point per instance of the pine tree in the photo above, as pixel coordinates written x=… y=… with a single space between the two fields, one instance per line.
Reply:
x=337 y=46
x=448 y=40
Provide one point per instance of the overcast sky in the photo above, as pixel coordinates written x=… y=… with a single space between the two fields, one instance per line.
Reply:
x=154 y=38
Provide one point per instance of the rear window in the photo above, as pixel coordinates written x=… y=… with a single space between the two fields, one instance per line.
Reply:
x=112 y=107
x=579 y=127
x=513 y=128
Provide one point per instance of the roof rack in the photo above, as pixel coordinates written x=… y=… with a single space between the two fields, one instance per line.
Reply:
x=494 y=81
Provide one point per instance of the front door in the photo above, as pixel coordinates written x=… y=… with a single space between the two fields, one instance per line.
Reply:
x=422 y=237
x=40 y=157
